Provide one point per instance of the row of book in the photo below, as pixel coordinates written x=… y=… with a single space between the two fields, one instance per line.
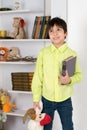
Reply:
x=22 y=81
x=40 y=27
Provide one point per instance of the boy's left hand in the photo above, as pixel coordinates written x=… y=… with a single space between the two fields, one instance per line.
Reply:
x=65 y=79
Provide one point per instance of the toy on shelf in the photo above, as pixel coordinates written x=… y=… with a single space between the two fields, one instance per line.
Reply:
x=7 y=106
x=14 y=54
x=3 y=53
x=3 y=95
x=19 y=32
x=37 y=119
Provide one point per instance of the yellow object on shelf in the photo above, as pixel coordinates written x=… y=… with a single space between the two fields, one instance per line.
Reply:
x=3 y=33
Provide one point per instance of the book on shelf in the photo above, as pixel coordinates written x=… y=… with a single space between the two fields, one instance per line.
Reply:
x=34 y=27
x=44 y=33
x=37 y=27
x=40 y=27
x=21 y=80
x=69 y=65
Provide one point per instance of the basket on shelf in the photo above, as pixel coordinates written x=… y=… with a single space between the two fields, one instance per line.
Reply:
x=21 y=81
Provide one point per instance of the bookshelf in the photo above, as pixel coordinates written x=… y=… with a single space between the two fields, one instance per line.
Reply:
x=28 y=47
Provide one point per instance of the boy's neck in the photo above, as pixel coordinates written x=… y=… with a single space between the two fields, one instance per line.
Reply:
x=59 y=44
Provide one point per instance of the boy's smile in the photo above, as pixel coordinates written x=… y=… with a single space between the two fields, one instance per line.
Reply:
x=57 y=35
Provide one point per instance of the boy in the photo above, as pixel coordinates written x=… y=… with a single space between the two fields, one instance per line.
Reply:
x=47 y=81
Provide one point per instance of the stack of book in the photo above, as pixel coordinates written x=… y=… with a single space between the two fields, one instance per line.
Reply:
x=21 y=81
x=40 y=27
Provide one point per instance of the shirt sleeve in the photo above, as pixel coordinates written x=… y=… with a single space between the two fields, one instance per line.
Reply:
x=37 y=79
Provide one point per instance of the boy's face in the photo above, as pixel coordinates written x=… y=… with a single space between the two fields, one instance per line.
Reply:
x=57 y=35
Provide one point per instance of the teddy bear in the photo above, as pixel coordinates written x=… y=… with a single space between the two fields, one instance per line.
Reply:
x=19 y=32
x=37 y=119
x=14 y=54
x=3 y=53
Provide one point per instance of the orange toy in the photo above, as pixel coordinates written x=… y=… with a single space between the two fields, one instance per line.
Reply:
x=7 y=107
x=3 y=53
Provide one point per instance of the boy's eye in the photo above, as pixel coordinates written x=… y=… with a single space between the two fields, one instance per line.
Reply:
x=51 y=30
x=59 y=29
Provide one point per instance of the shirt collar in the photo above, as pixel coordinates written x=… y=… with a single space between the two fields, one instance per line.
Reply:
x=60 y=49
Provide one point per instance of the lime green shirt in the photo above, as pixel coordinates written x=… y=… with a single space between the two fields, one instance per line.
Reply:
x=48 y=68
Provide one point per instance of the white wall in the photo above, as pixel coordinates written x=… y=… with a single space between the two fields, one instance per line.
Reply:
x=77 y=33
x=77 y=39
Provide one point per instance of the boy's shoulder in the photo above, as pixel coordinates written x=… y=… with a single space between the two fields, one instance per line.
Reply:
x=69 y=49
x=47 y=48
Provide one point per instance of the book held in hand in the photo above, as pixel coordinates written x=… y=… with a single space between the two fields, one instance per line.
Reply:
x=69 y=65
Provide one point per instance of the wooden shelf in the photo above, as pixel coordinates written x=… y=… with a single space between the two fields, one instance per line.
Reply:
x=20 y=92
x=18 y=63
x=17 y=113
x=25 y=40
x=14 y=11
x=21 y=11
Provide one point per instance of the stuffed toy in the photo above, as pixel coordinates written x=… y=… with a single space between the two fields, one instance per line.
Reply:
x=3 y=53
x=13 y=54
x=3 y=95
x=19 y=32
x=7 y=106
x=37 y=119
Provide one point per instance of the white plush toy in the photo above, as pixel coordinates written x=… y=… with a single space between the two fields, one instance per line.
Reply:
x=37 y=119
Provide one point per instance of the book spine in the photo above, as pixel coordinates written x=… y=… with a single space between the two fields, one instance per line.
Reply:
x=42 y=26
x=47 y=18
x=20 y=74
x=46 y=33
x=64 y=69
x=37 y=27
x=34 y=27
x=45 y=27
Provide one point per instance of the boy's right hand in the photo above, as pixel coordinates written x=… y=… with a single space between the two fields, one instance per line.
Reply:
x=65 y=79
x=36 y=105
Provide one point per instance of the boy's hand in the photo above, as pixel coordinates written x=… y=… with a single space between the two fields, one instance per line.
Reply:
x=65 y=79
x=36 y=105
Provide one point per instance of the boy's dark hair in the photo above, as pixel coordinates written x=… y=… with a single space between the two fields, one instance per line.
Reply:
x=58 y=22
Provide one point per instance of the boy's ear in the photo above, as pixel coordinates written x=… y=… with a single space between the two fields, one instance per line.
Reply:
x=66 y=33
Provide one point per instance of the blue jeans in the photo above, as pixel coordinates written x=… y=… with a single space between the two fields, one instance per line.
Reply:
x=64 y=110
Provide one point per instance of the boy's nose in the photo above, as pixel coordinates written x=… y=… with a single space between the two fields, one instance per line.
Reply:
x=55 y=33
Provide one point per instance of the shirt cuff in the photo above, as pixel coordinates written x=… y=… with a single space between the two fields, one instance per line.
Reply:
x=36 y=98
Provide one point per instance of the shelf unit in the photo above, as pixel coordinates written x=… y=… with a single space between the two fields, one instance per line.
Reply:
x=28 y=46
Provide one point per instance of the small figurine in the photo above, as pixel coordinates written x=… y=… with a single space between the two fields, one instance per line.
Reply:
x=19 y=32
